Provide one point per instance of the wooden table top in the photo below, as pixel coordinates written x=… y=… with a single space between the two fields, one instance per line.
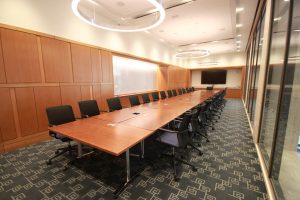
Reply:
x=124 y=114
x=108 y=137
x=117 y=131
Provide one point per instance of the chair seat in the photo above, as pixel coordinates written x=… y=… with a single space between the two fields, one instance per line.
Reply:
x=169 y=138
x=59 y=137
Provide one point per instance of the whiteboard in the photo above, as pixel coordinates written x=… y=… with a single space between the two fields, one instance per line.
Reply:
x=133 y=76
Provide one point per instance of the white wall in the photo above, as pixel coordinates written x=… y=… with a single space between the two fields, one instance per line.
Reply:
x=224 y=60
x=233 y=79
x=55 y=17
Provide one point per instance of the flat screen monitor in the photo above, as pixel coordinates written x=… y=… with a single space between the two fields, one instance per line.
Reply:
x=213 y=77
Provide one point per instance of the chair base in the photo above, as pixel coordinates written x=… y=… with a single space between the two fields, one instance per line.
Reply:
x=174 y=159
x=60 y=152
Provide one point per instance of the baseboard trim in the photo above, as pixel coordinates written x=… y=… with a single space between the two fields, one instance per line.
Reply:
x=268 y=184
x=25 y=141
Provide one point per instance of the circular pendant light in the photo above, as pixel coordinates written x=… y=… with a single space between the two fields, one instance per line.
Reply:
x=192 y=54
x=129 y=18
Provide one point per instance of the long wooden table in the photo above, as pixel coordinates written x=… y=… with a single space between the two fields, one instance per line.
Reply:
x=118 y=131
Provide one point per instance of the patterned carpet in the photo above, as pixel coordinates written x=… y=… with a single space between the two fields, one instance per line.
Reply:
x=228 y=169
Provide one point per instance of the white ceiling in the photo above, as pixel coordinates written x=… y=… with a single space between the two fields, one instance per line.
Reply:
x=190 y=24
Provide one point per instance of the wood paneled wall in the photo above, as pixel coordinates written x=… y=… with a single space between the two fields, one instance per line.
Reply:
x=36 y=72
x=173 y=77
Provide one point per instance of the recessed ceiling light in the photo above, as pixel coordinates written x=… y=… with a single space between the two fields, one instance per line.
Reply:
x=238 y=46
x=239 y=25
x=277 y=19
x=286 y=0
x=238 y=42
x=239 y=10
x=193 y=44
x=297 y=30
x=192 y=54
x=161 y=40
x=239 y=35
x=215 y=41
x=208 y=63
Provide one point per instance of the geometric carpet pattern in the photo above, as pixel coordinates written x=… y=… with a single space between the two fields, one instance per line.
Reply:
x=228 y=169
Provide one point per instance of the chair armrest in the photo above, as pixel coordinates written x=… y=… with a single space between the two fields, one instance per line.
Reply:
x=104 y=111
x=177 y=120
x=171 y=131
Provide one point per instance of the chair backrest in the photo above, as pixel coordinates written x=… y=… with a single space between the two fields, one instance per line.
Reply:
x=179 y=91
x=114 y=104
x=170 y=94
x=88 y=108
x=209 y=87
x=163 y=95
x=183 y=90
x=134 y=100
x=155 y=96
x=182 y=135
x=145 y=98
x=60 y=114
x=195 y=118
x=174 y=92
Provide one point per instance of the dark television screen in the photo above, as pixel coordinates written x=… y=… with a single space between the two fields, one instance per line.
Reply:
x=213 y=77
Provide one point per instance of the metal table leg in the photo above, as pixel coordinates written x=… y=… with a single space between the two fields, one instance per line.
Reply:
x=129 y=178
x=142 y=148
x=118 y=191
x=127 y=166
x=79 y=149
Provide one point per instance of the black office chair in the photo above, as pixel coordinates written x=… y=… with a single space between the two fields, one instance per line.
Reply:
x=88 y=108
x=193 y=89
x=145 y=98
x=155 y=96
x=114 y=104
x=174 y=92
x=198 y=122
x=188 y=90
x=179 y=91
x=177 y=139
x=56 y=116
x=134 y=100
x=163 y=95
x=183 y=90
x=170 y=94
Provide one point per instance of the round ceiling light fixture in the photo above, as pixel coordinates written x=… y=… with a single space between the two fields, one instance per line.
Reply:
x=192 y=54
x=101 y=14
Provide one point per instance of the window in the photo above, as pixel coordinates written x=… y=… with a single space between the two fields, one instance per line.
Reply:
x=133 y=76
x=274 y=75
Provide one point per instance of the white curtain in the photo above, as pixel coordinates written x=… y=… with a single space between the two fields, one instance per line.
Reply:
x=133 y=76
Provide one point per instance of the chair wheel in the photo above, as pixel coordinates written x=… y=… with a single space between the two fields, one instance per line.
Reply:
x=176 y=178
x=48 y=162
x=200 y=153
x=207 y=141
x=65 y=168
x=213 y=128
x=194 y=169
x=57 y=152
x=199 y=145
